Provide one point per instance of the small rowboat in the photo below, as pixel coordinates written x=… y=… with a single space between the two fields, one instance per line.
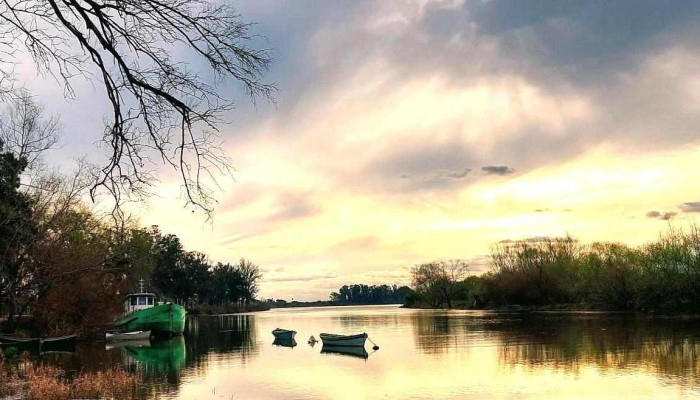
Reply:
x=121 y=336
x=18 y=340
x=283 y=334
x=59 y=343
x=343 y=340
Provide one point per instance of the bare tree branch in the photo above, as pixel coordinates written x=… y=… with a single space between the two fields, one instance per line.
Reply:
x=159 y=106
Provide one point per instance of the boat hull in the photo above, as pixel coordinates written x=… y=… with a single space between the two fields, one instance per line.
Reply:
x=138 y=335
x=344 y=340
x=283 y=334
x=163 y=319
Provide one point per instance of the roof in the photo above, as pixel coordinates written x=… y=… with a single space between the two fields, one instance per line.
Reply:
x=140 y=294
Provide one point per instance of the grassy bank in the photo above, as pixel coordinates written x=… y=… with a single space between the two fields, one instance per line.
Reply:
x=29 y=380
x=563 y=274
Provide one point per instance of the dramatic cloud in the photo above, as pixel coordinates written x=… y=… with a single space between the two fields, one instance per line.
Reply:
x=693 y=207
x=497 y=170
x=380 y=151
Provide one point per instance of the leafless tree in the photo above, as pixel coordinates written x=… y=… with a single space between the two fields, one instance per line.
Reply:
x=158 y=105
x=251 y=278
x=437 y=281
x=26 y=131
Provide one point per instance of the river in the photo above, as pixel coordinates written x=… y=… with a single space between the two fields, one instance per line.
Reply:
x=423 y=354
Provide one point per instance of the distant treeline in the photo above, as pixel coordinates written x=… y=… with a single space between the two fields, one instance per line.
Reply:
x=662 y=276
x=371 y=294
x=358 y=294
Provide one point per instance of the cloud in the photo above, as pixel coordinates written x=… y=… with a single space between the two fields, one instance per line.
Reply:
x=497 y=170
x=692 y=207
x=664 y=216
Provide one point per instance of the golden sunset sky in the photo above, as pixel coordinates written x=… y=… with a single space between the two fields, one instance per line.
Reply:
x=409 y=131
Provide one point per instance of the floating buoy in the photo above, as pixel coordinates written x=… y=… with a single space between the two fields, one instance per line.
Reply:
x=375 y=347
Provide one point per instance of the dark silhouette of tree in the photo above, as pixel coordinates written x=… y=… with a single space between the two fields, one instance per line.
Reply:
x=371 y=294
x=438 y=281
x=17 y=232
x=158 y=105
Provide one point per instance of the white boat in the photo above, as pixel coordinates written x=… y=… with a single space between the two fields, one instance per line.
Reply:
x=121 y=336
x=280 y=333
x=343 y=340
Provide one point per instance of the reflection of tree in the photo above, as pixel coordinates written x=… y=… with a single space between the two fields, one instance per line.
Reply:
x=435 y=333
x=667 y=347
x=233 y=334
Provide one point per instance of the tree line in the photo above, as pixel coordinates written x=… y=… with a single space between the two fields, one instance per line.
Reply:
x=660 y=276
x=68 y=266
x=371 y=294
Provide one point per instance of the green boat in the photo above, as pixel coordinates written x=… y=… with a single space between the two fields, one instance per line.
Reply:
x=143 y=313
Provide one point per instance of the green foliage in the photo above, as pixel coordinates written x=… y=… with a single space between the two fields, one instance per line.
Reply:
x=662 y=276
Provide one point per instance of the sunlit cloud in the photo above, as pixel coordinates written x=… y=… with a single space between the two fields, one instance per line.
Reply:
x=410 y=131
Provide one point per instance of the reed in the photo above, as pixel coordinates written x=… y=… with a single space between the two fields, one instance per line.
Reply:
x=32 y=381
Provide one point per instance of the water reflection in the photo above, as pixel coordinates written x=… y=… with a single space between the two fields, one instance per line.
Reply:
x=358 y=352
x=425 y=354
x=284 y=342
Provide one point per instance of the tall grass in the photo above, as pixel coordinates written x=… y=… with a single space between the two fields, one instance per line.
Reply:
x=33 y=381
x=662 y=276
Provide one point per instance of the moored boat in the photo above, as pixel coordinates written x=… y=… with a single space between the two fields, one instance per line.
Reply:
x=143 y=313
x=343 y=340
x=123 y=336
x=57 y=343
x=280 y=333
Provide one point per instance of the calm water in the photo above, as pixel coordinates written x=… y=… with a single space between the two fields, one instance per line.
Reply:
x=423 y=355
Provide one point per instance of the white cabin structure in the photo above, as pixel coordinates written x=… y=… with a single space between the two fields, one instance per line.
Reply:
x=139 y=301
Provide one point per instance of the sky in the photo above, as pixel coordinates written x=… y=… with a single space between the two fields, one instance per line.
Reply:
x=409 y=131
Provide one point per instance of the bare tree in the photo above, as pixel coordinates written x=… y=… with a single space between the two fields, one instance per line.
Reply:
x=251 y=276
x=437 y=281
x=159 y=106
x=26 y=131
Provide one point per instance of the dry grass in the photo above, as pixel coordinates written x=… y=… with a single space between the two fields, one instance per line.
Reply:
x=45 y=382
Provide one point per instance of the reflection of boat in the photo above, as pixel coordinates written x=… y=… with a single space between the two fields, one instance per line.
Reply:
x=280 y=333
x=352 y=351
x=160 y=356
x=284 y=342
x=128 y=343
x=58 y=344
x=52 y=344
x=138 y=335
x=343 y=340
x=143 y=313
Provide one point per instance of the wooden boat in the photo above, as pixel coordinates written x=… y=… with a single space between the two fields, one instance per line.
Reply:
x=143 y=313
x=17 y=340
x=128 y=343
x=121 y=336
x=280 y=333
x=351 y=351
x=48 y=340
x=344 y=340
x=49 y=344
